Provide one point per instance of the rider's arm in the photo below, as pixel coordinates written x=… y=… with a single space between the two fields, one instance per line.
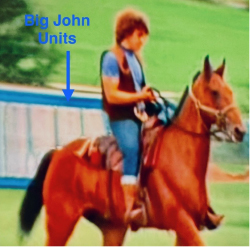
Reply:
x=110 y=80
x=116 y=96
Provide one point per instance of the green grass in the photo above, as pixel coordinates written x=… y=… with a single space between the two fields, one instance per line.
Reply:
x=182 y=34
x=233 y=201
x=232 y=168
x=231 y=153
x=243 y=2
x=229 y=199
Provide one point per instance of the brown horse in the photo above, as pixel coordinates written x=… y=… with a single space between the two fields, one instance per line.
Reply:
x=70 y=187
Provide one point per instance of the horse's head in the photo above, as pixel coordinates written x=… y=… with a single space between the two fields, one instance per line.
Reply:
x=215 y=101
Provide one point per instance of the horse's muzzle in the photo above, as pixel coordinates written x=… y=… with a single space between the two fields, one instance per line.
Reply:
x=238 y=132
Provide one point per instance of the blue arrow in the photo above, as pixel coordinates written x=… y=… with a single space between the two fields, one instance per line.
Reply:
x=68 y=92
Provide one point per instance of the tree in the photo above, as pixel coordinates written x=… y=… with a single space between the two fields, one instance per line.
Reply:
x=22 y=58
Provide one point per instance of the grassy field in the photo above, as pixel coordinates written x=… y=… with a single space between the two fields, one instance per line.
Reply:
x=230 y=199
x=234 y=168
x=182 y=34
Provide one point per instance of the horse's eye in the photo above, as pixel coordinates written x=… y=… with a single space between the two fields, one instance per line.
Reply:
x=215 y=93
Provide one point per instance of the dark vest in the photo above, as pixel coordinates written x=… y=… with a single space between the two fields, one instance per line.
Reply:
x=126 y=84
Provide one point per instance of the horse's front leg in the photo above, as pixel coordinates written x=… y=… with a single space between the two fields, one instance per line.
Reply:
x=113 y=235
x=187 y=234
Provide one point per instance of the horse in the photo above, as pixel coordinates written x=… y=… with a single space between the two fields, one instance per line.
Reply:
x=176 y=196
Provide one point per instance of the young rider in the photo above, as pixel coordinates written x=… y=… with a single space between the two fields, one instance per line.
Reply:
x=124 y=88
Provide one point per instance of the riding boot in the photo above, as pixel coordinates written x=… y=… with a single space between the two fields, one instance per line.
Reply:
x=132 y=215
x=213 y=220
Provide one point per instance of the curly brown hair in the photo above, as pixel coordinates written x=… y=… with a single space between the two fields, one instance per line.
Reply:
x=127 y=21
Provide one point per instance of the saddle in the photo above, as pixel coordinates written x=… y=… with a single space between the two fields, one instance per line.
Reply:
x=103 y=152
x=150 y=133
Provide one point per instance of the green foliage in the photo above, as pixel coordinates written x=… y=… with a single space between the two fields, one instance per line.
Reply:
x=182 y=33
x=22 y=58
x=10 y=9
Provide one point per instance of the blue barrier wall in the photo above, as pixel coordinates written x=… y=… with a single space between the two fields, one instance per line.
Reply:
x=31 y=123
x=49 y=99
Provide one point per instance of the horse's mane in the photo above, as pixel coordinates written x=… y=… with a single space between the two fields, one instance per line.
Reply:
x=170 y=110
x=179 y=107
x=196 y=76
x=184 y=96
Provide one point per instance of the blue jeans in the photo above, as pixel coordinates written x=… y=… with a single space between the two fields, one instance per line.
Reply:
x=127 y=133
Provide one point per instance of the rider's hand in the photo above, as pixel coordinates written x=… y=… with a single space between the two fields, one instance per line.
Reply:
x=147 y=94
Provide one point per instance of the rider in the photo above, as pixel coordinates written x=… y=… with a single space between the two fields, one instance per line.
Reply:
x=123 y=88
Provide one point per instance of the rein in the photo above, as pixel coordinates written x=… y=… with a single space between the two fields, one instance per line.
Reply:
x=206 y=134
x=220 y=115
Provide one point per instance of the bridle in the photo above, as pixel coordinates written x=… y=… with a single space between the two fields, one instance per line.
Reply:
x=220 y=114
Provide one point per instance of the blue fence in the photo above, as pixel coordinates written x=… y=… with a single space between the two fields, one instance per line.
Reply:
x=49 y=99
x=31 y=123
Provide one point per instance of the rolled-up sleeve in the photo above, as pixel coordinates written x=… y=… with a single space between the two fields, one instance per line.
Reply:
x=110 y=66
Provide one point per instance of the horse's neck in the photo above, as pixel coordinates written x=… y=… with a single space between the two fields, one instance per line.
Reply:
x=180 y=167
x=190 y=119
x=189 y=140
x=197 y=132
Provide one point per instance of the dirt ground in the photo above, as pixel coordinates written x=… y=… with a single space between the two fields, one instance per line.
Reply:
x=216 y=174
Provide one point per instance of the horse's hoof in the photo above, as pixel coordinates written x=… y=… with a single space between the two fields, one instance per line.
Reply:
x=213 y=221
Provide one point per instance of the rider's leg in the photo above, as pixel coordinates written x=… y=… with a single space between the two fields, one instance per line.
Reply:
x=130 y=194
x=127 y=133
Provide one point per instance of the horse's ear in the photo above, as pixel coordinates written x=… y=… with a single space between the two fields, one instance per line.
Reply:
x=220 y=70
x=207 y=69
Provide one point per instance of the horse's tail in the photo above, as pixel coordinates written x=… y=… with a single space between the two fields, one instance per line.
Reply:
x=33 y=200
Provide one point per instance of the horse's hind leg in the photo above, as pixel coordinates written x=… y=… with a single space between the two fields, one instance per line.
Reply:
x=113 y=235
x=59 y=227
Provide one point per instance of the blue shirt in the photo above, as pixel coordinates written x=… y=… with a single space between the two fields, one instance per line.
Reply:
x=110 y=67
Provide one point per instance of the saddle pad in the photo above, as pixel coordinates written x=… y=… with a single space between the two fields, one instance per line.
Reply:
x=103 y=152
